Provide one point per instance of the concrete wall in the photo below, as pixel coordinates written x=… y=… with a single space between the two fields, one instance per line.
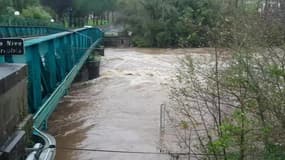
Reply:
x=13 y=109
x=14 y=116
x=121 y=42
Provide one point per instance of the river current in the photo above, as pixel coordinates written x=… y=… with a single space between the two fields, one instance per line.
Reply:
x=120 y=111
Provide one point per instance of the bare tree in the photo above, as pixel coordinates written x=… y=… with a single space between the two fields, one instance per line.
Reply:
x=229 y=104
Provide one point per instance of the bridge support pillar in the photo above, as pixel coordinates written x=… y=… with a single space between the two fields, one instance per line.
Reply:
x=15 y=122
x=83 y=74
x=91 y=69
x=93 y=63
x=100 y=50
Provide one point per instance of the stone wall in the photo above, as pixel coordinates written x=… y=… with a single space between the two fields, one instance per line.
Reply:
x=15 y=123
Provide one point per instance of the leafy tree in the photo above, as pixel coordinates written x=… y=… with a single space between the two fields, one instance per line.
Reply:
x=59 y=7
x=95 y=7
x=78 y=12
x=22 y=4
x=5 y=4
x=36 y=13
x=169 y=23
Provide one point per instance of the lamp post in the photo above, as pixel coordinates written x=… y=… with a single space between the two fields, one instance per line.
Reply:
x=70 y=16
x=17 y=13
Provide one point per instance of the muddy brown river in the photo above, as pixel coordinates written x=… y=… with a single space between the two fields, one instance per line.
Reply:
x=120 y=111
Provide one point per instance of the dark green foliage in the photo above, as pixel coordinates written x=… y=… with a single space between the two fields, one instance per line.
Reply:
x=30 y=12
x=59 y=6
x=5 y=5
x=78 y=13
x=22 y=4
x=275 y=152
x=36 y=13
x=18 y=5
x=169 y=23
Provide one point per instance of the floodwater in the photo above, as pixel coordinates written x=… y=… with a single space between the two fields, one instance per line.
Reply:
x=120 y=111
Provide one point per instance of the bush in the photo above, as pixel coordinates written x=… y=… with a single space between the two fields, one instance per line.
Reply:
x=233 y=102
x=36 y=12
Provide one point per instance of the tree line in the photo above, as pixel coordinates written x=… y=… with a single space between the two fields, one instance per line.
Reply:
x=168 y=23
x=183 y=23
x=70 y=13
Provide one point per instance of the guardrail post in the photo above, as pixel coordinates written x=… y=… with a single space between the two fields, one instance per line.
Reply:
x=51 y=64
x=35 y=89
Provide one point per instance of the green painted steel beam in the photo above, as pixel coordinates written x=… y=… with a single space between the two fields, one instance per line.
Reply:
x=49 y=106
x=53 y=62
x=24 y=31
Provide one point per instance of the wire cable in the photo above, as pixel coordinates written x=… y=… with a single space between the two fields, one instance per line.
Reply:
x=108 y=151
x=132 y=152
x=172 y=154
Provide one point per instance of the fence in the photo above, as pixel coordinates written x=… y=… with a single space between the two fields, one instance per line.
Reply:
x=12 y=20
x=25 y=31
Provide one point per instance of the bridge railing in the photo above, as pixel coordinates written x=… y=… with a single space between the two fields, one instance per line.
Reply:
x=25 y=31
x=12 y=20
x=53 y=62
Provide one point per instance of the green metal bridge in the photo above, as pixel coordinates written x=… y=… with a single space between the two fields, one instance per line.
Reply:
x=54 y=57
x=25 y=31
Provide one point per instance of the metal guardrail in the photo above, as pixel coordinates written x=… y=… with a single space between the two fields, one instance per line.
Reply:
x=24 y=31
x=12 y=20
x=45 y=150
x=53 y=62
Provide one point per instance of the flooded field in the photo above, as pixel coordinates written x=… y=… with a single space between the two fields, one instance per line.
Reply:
x=119 y=111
